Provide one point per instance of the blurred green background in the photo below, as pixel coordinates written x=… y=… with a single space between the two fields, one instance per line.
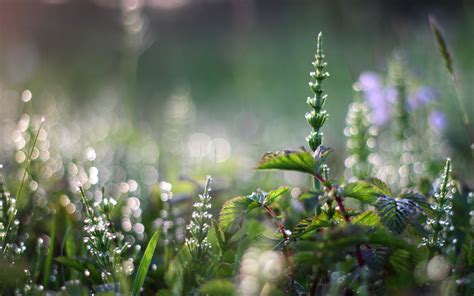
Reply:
x=190 y=72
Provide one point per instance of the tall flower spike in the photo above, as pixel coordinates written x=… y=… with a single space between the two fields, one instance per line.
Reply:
x=317 y=117
x=361 y=134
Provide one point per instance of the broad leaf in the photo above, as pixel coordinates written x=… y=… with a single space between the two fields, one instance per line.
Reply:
x=363 y=191
x=234 y=211
x=420 y=200
x=401 y=261
x=311 y=224
x=367 y=218
x=274 y=194
x=145 y=264
x=397 y=214
x=380 y=185
x=300 y=161
x=333 y=244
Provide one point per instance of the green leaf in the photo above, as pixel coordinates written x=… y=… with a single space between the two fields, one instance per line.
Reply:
x=401 y=261
x=218 y=287
x=49 y=258
x=363 y=191
x=300 y=161
x=145 y=263
x=420 y=200
x=311 y=224
x=274 y=194
x=380 y=185
x=367 y=218
x=234 y=211
x=311 y=194
x=219 y=235
x=333 y=244
x=396 y=214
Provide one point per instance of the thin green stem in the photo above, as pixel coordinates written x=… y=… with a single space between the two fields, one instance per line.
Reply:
x=28 y=162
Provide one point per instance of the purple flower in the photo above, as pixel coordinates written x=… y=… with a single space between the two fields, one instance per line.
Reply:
x=369 y=81
x=437 y=121
x=420 y=97
x=375 y=94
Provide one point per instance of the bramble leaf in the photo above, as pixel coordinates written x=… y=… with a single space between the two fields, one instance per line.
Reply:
x=401 y=260
x=234 y=211
x=367 y=218
x=311 y=224
x=333 y=244
x=380 y=185
x=300 y=161
x=419 y=199
x=274 y=195
x=363 y=191
x=395 y=214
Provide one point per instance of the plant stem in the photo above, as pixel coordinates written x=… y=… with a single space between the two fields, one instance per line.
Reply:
x=347 y=218
x=23 y=179
x=287 y=251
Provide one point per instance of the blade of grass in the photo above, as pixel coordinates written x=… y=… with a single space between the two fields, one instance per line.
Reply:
x=68 y=247
x=145 y=264
x=28 y=162
x=448 y=62
x=49 y=259
x=23 y=179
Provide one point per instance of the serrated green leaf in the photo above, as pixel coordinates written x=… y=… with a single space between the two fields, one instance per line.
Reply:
x=367 y=218
x=234 y=211
x=300 y=161
x=401 y=261
x=145 y=263
x=311 y=194
x=393 y=214
x=274 y=194
x=380 y=185
x=219 y=235
x=420 y=200
x=332 y=244
x=311 y=224
x=363 y=191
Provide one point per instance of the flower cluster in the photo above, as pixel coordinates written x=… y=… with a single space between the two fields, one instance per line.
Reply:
x=361 y=139
x=8 y=225
x=442 y=222
x=199 y=225
x=401 y=157
x=102 y=242
x=377 y=96
x=317 y=117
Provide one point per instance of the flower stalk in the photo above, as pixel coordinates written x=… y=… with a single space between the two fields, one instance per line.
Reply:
x=317 y=117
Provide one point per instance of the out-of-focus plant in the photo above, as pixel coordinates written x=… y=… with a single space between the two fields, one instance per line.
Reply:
x=361 y=139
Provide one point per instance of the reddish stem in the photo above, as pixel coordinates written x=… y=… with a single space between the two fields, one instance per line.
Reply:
x=347 y=218
x=287 y=251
